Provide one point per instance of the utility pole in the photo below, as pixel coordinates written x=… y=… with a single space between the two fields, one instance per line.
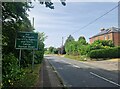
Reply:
x=33 y=22
x=62 y=45
x=119 y=14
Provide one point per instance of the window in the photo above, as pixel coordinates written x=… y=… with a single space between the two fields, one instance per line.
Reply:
x=104 y=37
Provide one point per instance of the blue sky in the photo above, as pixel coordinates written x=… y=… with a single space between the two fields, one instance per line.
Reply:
x=64 y=20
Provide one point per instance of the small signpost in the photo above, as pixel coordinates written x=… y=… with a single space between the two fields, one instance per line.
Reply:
x=26 y=40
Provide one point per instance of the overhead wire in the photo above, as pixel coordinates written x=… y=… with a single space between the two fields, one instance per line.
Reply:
x=94 y=20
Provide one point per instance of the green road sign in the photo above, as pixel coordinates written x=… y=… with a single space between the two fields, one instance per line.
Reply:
x=26 y=40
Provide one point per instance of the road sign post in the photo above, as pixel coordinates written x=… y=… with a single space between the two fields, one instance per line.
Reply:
x=33 y=60
x=19 y=57
x=26 y=40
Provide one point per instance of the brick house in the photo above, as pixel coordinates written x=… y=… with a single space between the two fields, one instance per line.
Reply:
x=112 y=33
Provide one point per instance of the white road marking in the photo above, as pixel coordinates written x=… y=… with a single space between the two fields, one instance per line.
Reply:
x=76 y=66
x=104 y=79
x=66 y=62
x=69 y=63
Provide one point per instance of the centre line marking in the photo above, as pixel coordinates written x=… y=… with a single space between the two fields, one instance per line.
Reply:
x=69 y=63
x=76 y=66
x=104 y=79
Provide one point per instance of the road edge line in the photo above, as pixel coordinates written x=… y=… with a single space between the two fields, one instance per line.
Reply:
x=59 y=78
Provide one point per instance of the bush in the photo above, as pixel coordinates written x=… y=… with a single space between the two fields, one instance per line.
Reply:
x=39 y=55
x=10 y=70
x=101 y=44
x=105 y=53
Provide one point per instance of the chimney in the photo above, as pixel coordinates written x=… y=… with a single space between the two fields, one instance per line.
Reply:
x=102 y=29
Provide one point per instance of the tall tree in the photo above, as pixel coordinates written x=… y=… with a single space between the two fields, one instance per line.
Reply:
x=49 y=3
x=82 y=40
x=14 y=19
x=68 y=44
x=69 y=39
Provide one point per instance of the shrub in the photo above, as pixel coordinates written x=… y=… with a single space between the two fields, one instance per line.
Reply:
x=10 y=70
x=101 y=44
x=105 y=53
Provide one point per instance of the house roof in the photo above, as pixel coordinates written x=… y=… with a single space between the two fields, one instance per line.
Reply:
x=106 y=31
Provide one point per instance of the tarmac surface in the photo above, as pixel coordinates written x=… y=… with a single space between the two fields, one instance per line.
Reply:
x=76 y=74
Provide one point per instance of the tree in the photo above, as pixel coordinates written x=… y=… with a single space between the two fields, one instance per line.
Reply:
x=82 y=40
x=51 y=49
x=49 y=4
x=101 y=44
x=39 y=54
x=14 y=19
x=83 y=47
x=69 y=40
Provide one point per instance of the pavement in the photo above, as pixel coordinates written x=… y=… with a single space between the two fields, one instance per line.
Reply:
x=76 y=74
x=48 y=77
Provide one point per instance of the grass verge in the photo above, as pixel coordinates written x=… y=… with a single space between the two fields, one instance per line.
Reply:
x=85 y=58
x=30 y=77
x=79 y=58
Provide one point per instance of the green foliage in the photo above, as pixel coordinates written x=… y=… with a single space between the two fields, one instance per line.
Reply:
x=15 y=19
x=55 y=51
x=101 y=44
x=51 y=50
x=30 y=78
x=106 y=53
x=39 y=54
x=50 y=4
x=84 y=49
x=10 y=70
x=69 y=39
x=75 y=48
x=69 y=45
x=81 y=48
x=82 y=40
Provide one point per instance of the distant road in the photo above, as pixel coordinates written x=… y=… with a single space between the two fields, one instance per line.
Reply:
x=78 y=74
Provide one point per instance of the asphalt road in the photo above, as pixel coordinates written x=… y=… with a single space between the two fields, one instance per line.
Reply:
x=77 y=74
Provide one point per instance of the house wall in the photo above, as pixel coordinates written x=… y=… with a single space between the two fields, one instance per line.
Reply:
x=115 y=37
x=102 y=37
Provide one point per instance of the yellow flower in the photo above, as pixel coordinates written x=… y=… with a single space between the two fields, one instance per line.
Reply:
x=1 y=84
x=9 y=81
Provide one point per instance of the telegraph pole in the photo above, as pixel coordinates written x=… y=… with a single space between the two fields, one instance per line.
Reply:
x=33 y=22
x=62 y=45
x=119 y=14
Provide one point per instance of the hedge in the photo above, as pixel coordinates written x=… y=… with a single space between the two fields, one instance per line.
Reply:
x=105 y=53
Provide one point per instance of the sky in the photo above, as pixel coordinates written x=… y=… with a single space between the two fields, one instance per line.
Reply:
x=65 y=20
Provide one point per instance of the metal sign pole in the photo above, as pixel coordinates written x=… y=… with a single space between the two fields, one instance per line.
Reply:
x=19 y=57
x=33 y=50
x=33 y=60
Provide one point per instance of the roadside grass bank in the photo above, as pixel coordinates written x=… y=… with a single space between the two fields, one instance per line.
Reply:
x=85 y=58
x=79 y=58
x=30 y=77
